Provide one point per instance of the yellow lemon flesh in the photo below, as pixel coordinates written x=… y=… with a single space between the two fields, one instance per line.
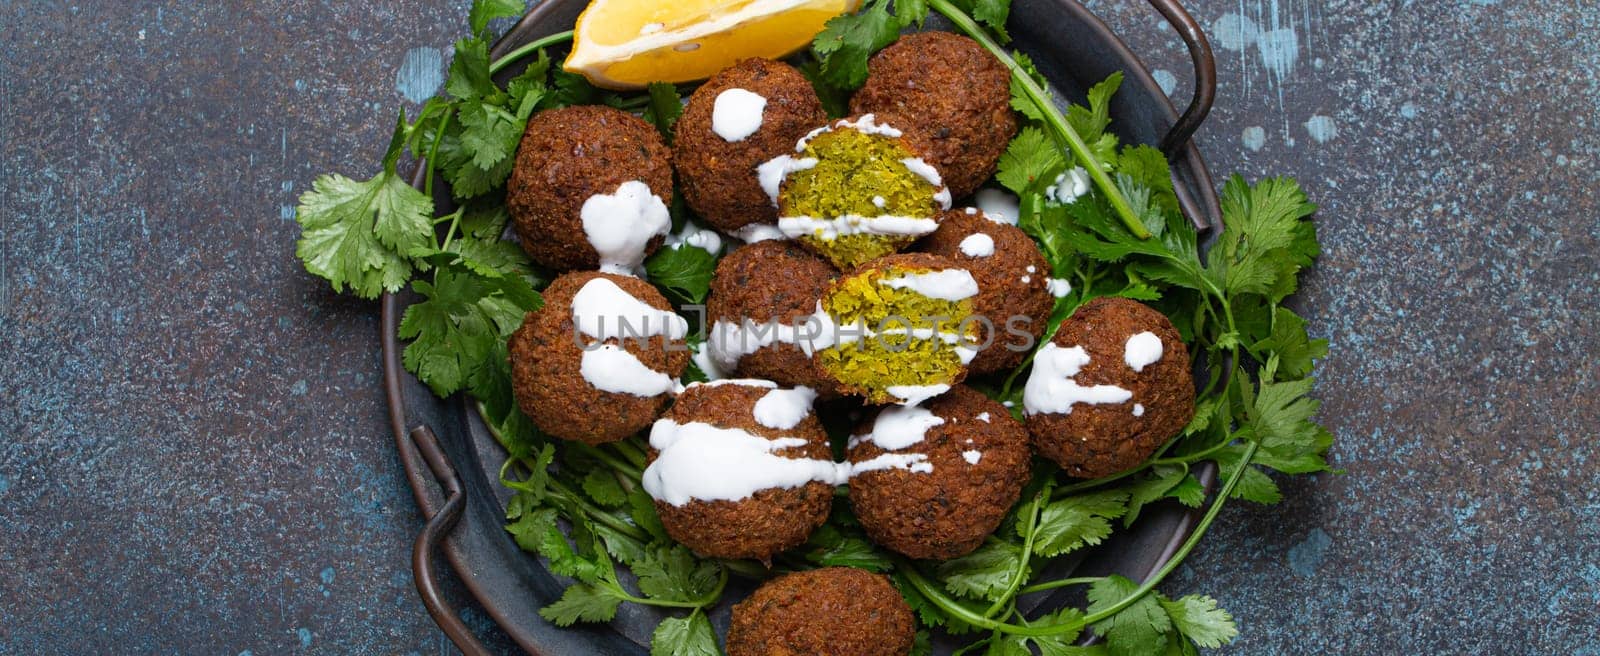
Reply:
x=627 y=44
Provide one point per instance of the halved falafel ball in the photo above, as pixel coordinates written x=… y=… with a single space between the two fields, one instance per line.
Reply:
x=741 y=469
x=957 y=97
x=747 y=114
x=762 y=296
x=590 y=189
x=580 y=374
x=855 y=190
x=837 y=611
x=1013 y=284
x=1109 y=388
x=978 y=460
x=901 y=328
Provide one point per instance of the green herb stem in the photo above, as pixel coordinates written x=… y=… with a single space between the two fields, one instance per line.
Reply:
x=1053 y=118
x=1029 y=533
x=634 y=473
x=600 y=515
x=537 y=45
x=954 y=609
x=707 y=600
x=1058 y=583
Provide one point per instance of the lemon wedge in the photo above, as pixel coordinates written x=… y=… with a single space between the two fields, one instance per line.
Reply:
x=627 y=44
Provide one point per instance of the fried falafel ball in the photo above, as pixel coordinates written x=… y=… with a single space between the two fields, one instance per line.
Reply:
x=590 y=189
x=762 y=296
x=1014 y=296
x=599 y=361
x=1109 y=388
x=741 y=469
x=899 y=329
x=939 y=496
x=855 y=190
x=717 y=147
x=958 y=96
x=837 y=611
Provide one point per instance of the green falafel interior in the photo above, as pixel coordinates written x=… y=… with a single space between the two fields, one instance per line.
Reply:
x=584 y=508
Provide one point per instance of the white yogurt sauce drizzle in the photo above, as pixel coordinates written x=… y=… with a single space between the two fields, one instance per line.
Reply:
x=944 y=284
x=784 y=409
x=915 y=463
x=998 y=206
x=602 y=310
x=972 y=456
x=610 y=368
x=701 y=462
x=1138 y=409
x=978 y=244
x=1142 y=350
x=855 y=224
x=911 y=395
x=619 y=225
x=751 y=233
x=1051 y=388
x=983 y=417
x=772 y=172
x=1059 y=287
x=1069 y=186
x=899 y=427
x=736 y=114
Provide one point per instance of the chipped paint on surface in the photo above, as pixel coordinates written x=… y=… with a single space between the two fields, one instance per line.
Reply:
x=420 y=74
x=1253 y=138
x=1322 y=128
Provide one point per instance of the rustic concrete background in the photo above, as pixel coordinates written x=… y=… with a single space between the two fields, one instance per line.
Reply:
x=194 y=456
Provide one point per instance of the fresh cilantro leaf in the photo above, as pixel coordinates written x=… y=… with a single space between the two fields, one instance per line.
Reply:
x=993 y=13
x=683 y=270
x=528 y=88
x=1188 y=492
x=602 y=486
x=664 y=109
x=1295 y=349
x=469 y=71
x=1199 y=619
x=1092 y=120
x=1263 y=244
x=688 y=636
x=489 y=133
x=1062 y=644
x=621 y=547
x=674 y=574
x=570 y=89
x=1008 y=645
x=1020 y=100
x=454 y=331
x=982 y=574
x=1071 y=523
x=1255 y=486
x=1148 y=167
x=912 y=11
x=360 y=233
x=643 y=511
x=1137 y=630
x=1030 y=163
x=835 y=101
x=484 y=11
x=1150 y=487
x=847 y=41
x=832 y=548
x=582 y=603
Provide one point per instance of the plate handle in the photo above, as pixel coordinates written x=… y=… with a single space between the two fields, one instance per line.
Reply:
x=428 y=541
x=1205 y=76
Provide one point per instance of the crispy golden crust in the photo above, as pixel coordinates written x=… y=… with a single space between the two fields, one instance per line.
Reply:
x=568 y=155
x=835 y=611
x=546 y=374
x=768 y=522
x=772 y=282
x=1013 y=300
x=945 y=513
x=718 y=177
x=1102 y=439
x=954 y=96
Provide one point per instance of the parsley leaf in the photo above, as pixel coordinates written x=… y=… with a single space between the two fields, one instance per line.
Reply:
x=1071 y=523
x=847 y=41
x=1136 y=630
x=1030 y=162
x=469 y=71
x=683 y=270
x=1199 y=619
x=484 y=11
x=602 y=486
x=664 y=109
x=582 y=603
x=674 y=574
x=1264 y=244
x=831 y=547
x=360 y=234
x=688 y=636
x=982 y=574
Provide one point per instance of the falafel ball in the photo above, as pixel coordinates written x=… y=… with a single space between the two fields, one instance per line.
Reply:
x=1013 y=284
x=901 y=330
x=590 y=189
x=580 y=374
x=741 y=469
x=762 y=296
x=855 y=190
x=957 y=95
x=837 y=611
x=716 y=157
x=979 y=459
x=1109 y=388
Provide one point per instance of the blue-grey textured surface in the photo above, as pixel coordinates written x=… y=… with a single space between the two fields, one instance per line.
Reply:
x=193 y=452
